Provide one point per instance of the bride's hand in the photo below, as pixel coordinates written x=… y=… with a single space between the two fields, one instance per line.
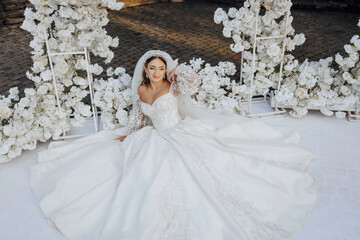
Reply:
x=120 y=138
x=172 y=76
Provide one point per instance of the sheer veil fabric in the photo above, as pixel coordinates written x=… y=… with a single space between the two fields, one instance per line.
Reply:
x=189 y=173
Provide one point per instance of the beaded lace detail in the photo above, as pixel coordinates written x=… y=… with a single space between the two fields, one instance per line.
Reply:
x=164 y=110
x=137 y=118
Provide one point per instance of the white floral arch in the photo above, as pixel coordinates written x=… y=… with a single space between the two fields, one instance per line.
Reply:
x=75 y=24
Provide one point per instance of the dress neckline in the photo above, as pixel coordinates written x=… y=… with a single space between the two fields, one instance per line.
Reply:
x=155 y=99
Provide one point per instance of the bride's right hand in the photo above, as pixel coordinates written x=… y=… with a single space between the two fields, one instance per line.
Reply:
x=120 y=138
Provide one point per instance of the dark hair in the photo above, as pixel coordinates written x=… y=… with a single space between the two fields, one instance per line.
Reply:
x=147 y=80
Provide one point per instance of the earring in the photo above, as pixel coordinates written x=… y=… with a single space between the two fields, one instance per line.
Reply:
x=146 y=75
x=165 y=77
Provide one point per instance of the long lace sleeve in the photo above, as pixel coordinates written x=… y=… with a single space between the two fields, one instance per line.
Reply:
x=137 y=118
x=187 y=81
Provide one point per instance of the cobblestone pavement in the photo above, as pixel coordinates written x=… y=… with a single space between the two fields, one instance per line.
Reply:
x=185 y=30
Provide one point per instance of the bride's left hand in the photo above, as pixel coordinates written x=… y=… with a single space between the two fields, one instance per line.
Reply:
x=172 y=76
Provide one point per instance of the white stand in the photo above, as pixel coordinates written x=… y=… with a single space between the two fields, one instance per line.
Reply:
x=85 y=52
x=275 y=111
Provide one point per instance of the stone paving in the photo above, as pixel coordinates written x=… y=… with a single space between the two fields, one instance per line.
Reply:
x=185 y=30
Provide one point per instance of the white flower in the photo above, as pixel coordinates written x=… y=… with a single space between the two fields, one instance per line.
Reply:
x=5 y=111
x=122 y=116
x=61 y=67
x=38 y=67
x=237 y=47
x=268 y=5
x=14 y=93
x=96 y=69
x=347 y=76
x=220 y=15
x=46 y=75
x=273 y=50
x=64 y=35
x=301 y=92
x=227 y=32
x=235 y=89
x=53 y=44
x=356 y=41
x=119 y=71
x=348 y=49
x=326 y=112
x=340 y=114
x=42 y=89
x=67 y=82
x=232 y=12
x=40 y=59
x=345 y=90
x=66 y=12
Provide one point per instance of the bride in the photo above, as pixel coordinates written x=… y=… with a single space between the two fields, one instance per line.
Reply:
x=182 y=171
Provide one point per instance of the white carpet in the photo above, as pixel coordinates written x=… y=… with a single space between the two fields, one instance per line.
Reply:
x=335 y=142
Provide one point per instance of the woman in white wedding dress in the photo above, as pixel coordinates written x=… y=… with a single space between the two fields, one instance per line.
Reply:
x=182 y=172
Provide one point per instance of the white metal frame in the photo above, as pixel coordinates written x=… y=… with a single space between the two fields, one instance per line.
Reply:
x=276 y=111
x=85 y=52
x=354 y=115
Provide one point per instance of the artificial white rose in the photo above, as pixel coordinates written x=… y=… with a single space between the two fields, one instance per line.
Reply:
x=43 y=89
x=340 y=114
x=53 y=44
x=41 y=59
x=354 y=57
x=5 y=111
x=339 y=59
x=29 y=92
x=237 y=47
x=348 y=48
x=255 y=6
x=235 y=89
x=96 y=69
x=219 y=15
x=273 y=50
x=14 y=93
x=119 y=71
x=299 y=39
x=66 y=12
x=356 y=41
x=38 y=67
x=268 y=5
x=326 y=112
x=46 y=75
x=122 y=117
x=345 y=90
x=67 y=82
x=301 y=93
x=61 y=67
x=227 y=32
x=347 y=76
x=64 y=35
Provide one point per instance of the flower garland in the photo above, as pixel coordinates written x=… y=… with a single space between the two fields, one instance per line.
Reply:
x=307 y=85
x=71 y=25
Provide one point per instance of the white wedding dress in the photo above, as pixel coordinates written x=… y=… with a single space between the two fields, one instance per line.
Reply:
x=227 y=178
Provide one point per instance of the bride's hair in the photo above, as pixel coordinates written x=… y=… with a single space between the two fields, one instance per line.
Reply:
x=147 y=80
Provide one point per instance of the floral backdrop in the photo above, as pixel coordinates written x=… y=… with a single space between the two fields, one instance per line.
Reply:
x=70 y=25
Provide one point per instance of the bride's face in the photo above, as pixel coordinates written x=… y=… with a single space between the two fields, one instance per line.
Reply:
x=156 y=70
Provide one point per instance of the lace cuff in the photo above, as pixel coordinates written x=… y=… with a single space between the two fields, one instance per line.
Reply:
x=187 y=81
x=137 y=118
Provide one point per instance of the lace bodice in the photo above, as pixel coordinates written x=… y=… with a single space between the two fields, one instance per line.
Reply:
x=163 y=112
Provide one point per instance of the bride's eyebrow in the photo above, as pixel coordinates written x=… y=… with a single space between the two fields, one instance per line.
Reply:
x=159 y=67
